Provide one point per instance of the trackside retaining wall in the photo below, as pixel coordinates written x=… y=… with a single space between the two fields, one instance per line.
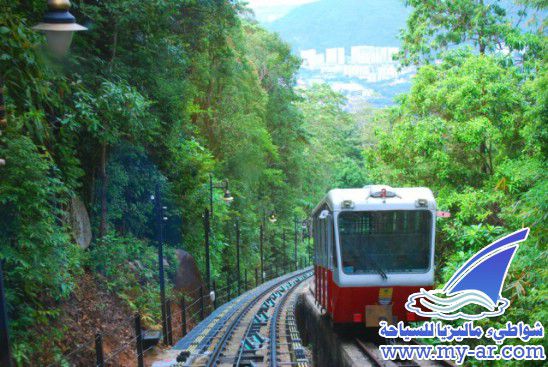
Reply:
x=328 y=348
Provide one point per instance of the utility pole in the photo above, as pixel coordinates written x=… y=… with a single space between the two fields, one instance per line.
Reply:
x=207 y=256
x=296 y=241
x=3 y=121
x=210 y=194
x=284 y=253
x=237 y=225
x=161 y=218
x=261 y=240
x=310 y=260
x=227 y=196
x=5 y=351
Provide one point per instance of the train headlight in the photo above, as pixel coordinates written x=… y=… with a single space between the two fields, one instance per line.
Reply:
x=421 y=203
x=347 y=204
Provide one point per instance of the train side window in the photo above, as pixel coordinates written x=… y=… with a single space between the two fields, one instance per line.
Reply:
x=324 y=252
x=320 y=241
x=315 y=238
x=332 y=243
x=328 y=241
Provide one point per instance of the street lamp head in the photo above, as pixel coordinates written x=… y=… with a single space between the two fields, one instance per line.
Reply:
x=227 y=197
x=59 y=25
x=272 y=217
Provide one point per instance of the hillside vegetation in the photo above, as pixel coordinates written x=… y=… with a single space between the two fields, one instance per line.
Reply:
x=155 y=95
x=158 y=95
x=474 y=129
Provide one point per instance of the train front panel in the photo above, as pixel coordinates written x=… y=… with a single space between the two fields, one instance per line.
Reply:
x=372 y=254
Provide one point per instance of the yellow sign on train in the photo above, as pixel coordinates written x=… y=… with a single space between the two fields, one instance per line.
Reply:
x=385 y=293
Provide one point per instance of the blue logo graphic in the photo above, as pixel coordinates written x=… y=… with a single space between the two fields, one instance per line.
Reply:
x=479 y=281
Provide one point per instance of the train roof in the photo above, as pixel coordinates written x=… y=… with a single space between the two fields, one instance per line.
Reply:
x=373 y=195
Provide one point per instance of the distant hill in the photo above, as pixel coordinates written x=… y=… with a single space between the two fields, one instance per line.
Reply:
x=342 y=23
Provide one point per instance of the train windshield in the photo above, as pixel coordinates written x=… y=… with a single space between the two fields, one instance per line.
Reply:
x=395 y=241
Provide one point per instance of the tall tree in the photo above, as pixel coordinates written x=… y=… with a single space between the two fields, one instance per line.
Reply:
x=436 y=26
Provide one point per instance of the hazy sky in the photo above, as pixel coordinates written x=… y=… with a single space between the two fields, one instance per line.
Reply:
x=267 y=3
x=270 y=10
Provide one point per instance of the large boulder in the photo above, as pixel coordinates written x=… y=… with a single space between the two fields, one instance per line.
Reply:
x=188 y=277
x=79 y=222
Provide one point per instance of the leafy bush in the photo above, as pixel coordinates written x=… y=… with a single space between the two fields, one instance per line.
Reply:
x=41 y=261
x=128 y=267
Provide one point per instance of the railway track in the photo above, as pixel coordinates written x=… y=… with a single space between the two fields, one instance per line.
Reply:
x=285 y=342
x=371 y=351
x=253 y=332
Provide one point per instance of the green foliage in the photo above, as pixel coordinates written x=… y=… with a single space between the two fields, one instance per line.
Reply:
x=164 y=93
x=464 y=117
x=332 y=155
x=437 y=26
x=129 y=268
x=160 y=93
x=473 y=128
x=41 y=262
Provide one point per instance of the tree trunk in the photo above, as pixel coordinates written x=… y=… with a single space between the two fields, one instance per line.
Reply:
x=482 y=47
x=103 y=228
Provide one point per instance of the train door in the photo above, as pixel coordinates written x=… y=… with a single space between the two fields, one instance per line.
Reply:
x=330 y=261
x=315 y=232
x=323 y=225
x=319 y=267
x=321 y=243
x=325 y=246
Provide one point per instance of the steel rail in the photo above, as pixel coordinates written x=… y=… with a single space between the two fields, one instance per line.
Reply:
x=369 y=349
x=217 y=351
x=248 y=329
x=274 y=325
x=241 y=349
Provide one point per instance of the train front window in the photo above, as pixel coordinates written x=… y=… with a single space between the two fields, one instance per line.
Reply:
x=395 y=241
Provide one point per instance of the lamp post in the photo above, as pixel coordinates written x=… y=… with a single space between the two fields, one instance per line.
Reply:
x=261 y=240
x=208 y=215
x=307 y=234
x=161 y=218
x=284 y=247
x=295 y=239
x=272 y=219
x=5 y=350
x=227 y=196
x=207 y=231
x=3 y=121
x=237 y=227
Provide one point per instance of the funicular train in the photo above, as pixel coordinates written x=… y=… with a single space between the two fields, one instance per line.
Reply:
x=374 y=246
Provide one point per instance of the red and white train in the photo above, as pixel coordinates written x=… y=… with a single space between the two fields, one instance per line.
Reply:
x=374 y=246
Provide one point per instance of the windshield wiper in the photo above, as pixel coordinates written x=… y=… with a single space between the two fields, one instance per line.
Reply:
x=377 y=268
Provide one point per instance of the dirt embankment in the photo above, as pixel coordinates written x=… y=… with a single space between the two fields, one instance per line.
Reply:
x=91 y=310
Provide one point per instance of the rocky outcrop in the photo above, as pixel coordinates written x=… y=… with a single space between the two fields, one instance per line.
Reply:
x=188 y=277
x=79 y=222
